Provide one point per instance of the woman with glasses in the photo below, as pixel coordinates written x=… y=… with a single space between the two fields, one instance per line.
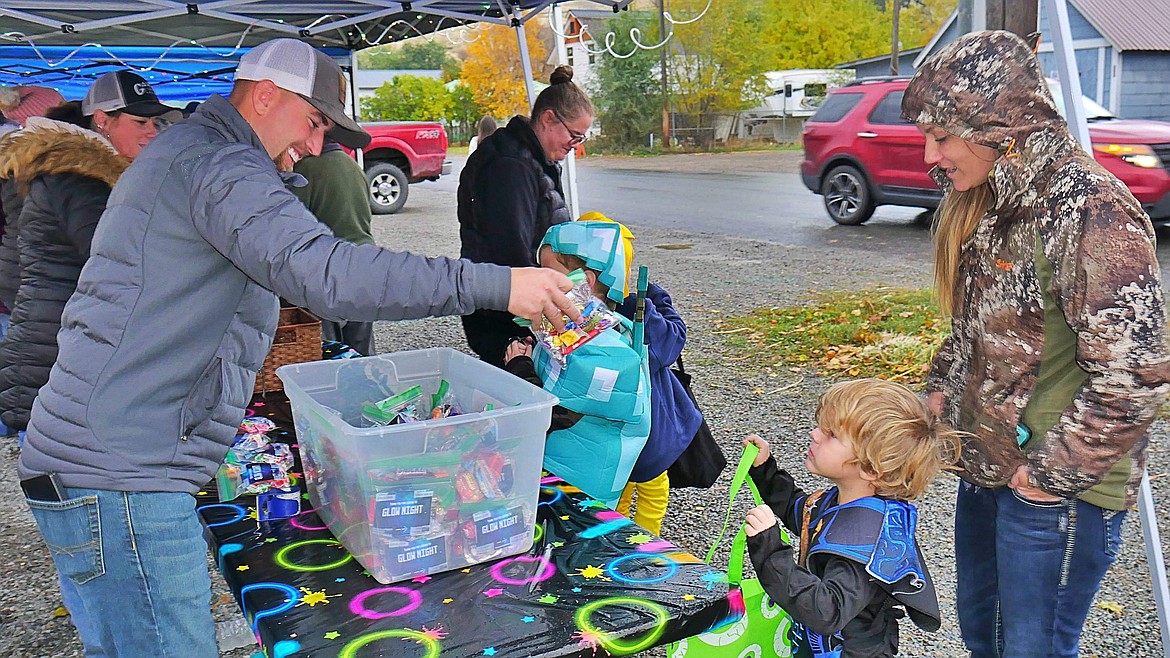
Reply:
x=510 y=193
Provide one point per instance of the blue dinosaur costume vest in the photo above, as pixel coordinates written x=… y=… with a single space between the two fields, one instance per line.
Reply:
x=876 y=532
x=606 y=380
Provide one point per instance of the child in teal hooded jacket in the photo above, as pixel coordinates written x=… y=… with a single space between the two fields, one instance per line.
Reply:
x=604 y=417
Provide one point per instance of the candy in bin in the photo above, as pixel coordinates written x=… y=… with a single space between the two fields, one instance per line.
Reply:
x=485 y=475
x=397 y=475
x=402 y=558
x=410 y=511
x=405 y=407
x=463 y=437
x=443 y=403
x=496 y=532
x=596 y=317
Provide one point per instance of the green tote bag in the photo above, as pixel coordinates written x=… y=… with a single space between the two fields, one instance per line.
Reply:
x=763 y=630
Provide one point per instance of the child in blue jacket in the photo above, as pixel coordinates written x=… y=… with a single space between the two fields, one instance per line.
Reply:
x=674 y=417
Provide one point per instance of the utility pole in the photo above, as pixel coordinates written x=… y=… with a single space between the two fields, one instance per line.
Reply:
x=1021 y=18
x=895 y=46
x=662 y=63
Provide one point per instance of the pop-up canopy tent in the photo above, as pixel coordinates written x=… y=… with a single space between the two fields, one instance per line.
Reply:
x=178 y=75
x=188 y=50
x=347 y=24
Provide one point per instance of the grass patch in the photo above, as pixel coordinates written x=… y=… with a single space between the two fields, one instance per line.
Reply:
x=888 y=333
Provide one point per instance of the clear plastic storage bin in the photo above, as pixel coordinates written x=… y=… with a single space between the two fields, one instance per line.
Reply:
x=427 y=496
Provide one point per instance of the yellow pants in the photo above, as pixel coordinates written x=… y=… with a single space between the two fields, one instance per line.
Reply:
x=652 y=499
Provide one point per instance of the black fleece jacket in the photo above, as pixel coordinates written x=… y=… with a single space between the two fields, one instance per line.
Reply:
x=509 y=194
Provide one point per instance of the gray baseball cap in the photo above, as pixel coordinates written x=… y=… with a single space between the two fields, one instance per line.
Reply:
x=296 y=66
x=123 y=91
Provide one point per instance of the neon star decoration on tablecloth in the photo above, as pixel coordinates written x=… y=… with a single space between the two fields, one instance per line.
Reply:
x=640 y=538
x=421 y=579
x=528 y=619
x=493 y=592
x=331 y=635
x=490 y=651
x=548 y=598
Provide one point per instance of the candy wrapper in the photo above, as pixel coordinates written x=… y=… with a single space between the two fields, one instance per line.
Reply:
x=443 y=403
x=234 y=480
x=254 y=464
x=596 y=317
x=406 y=407
x=256 y=425
x=278 y=454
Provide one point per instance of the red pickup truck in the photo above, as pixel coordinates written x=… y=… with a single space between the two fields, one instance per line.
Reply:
x=400 y=153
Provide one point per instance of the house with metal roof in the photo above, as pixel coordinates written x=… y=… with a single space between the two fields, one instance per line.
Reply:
x=1122 y=50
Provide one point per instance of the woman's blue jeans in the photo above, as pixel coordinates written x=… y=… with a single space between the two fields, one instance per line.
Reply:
x=136 y=563
x=1027 y=571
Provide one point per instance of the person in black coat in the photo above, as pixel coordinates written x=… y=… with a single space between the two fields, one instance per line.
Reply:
x=62 y=168
x=510 y=193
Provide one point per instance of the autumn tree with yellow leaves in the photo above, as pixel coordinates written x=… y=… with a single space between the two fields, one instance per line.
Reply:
x=718 y=62
x=493 y=70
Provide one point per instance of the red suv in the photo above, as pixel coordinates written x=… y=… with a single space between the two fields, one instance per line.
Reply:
x=859 y=153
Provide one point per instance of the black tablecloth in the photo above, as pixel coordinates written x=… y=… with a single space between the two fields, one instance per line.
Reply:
x=609 y=585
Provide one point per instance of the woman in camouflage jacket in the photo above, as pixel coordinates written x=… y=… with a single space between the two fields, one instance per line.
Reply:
x=1058 y=358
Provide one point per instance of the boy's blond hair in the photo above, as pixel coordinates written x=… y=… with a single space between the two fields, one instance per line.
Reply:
x=894 y=435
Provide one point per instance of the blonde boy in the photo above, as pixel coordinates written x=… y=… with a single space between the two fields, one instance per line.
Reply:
x=858 y=559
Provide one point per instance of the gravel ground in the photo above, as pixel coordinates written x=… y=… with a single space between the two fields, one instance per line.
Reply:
x=713 y=278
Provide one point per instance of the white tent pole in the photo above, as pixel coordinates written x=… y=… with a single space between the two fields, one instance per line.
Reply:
x=353 y=93
x=1154 y=557
x=1066 y=66
x=570 y=174
x=525 y=62
x=1070 y=86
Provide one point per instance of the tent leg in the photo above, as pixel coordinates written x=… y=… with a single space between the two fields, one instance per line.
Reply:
x=570 y=173
x=1149 y=519
x=353 y=98
x=525 y=61
x=1062 y=46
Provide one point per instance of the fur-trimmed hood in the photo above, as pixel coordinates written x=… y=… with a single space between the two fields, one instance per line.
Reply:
x=26 y=154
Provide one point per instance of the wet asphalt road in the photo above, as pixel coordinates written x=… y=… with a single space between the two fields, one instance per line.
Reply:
x=771 y=206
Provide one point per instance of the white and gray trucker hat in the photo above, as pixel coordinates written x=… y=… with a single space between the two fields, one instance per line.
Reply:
x=122 y=91
x=296 y=66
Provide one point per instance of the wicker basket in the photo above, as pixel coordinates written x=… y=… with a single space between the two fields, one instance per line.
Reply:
x=297 y=339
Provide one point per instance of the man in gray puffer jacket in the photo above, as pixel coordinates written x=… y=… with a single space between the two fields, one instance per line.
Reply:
x=174 y=314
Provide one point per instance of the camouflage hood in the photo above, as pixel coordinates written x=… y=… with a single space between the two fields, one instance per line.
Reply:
x=986 y=88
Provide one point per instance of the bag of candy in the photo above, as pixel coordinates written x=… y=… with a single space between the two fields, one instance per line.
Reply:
x=596 y=317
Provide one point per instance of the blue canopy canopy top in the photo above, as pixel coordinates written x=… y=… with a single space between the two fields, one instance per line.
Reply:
x=188 y=50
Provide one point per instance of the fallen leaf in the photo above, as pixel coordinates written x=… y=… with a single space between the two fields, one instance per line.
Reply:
x=60 y=612
x=1115 y=608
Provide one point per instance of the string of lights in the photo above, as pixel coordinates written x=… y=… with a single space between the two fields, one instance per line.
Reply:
x=610 y=37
